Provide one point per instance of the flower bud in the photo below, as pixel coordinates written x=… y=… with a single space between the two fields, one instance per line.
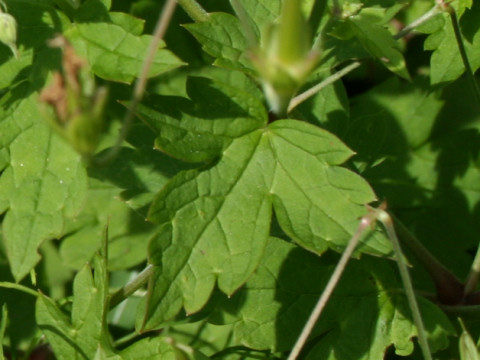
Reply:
x=8 y=32
x=77 y=105
x=285 y=59
x=467 y=347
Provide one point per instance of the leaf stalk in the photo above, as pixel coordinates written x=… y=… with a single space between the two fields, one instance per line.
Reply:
x=129 y=289
x=194 y=10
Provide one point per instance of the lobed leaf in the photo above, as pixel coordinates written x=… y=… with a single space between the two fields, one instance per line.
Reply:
x=215 y=223
x=446 y=62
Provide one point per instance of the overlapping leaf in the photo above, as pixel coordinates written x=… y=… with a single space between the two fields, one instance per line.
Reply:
x=78 y=337
x=269 y=312
x=115 y=54
x=222 y=37
x=216 y=221
x=423 y=162
x=446 y=62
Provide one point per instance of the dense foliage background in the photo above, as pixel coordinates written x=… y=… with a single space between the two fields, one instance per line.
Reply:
x=208 y=224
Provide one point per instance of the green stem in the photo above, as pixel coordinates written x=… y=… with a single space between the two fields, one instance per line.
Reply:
x=194 y=10
x=366 y=222
x=297 y=100
x=416 y=23
x=449 y=288
x=387 y=222
x=27 y=290
x=463 y=53
x=123 y=293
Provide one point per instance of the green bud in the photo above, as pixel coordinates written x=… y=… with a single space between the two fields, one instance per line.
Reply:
x=285 y=58
x=76 y=105
x=467 y=347
x=8 y=32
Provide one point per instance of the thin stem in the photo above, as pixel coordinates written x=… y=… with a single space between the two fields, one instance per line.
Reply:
x=387 y=222
x=366 y=221
x=123 y=293
x=416 y=23
x=194 y=10
x=463 y=53
x=141 y=83
x=297 y=100
x=27 y=290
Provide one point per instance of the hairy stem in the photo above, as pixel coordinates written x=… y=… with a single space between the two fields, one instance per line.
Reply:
x=416 y=23
x=123 y=293
x=141 y=83
x=387 y=222
x=194 y=10
x=366 y=221
x=463 y=53
x=297 y=100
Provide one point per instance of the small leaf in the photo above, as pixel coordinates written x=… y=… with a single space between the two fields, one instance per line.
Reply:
x=379 y=42
x=58 y=330
x=446 y=62
x=222 y=37
x=117 y=55
x=87 y=330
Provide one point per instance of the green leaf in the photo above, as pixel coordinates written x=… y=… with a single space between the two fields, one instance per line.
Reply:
x=117 y=55
x=328 y=109
x=215 y=114
x=379 y=42
x=129 y=232
x=261 y=14
x=160 y=348
x=80 y=337
x=222 y=37
x=423 y=163
x=215 y=223
x=120 y=193
x=58 y=330
x=446 y=62
x=270 y=311
x=48 y=184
